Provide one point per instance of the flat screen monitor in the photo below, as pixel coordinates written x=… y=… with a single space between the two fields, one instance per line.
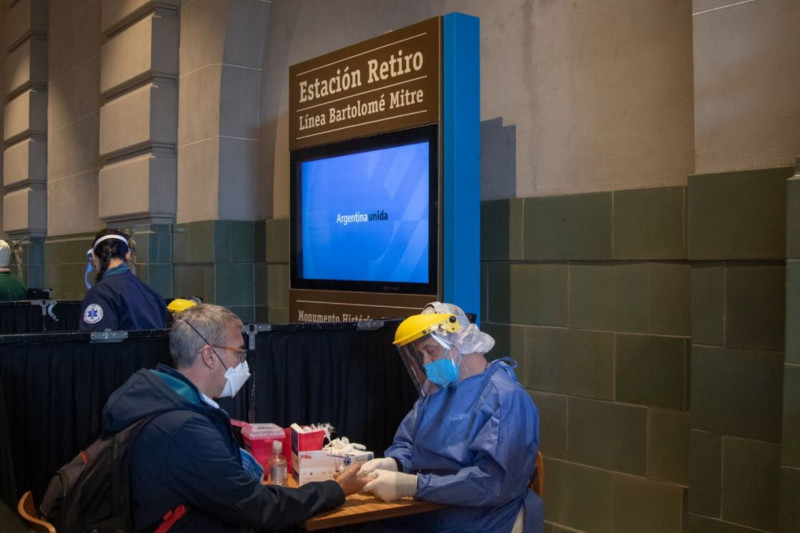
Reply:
x=365 y=214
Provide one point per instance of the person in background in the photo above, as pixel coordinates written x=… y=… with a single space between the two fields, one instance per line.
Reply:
x=470 y=440
x=11 y=288
x=119 y=300
x=186 y=460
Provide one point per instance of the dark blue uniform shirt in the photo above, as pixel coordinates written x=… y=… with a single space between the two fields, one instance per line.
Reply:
x=121 y=301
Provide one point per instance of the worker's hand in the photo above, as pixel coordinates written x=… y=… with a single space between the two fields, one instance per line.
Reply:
x=389 y=486
x=383 y=463
x=350 y=481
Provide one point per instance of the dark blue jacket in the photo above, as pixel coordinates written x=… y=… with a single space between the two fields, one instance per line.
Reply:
x=188 y=454
x=121 y=301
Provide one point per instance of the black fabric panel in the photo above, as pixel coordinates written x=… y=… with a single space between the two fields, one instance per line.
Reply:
x=8 y=489
x=55 y=386
x=352 y=379
x=22 y=317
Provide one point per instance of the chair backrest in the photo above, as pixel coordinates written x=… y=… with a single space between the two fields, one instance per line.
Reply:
x=537 y=481
x=27 y=510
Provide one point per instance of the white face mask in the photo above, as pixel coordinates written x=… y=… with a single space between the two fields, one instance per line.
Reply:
x=235 y=377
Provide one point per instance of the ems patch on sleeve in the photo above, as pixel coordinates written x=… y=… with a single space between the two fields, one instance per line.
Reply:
x=93 y=314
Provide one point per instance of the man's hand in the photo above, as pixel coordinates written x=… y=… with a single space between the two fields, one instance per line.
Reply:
x=384 y=463
x=350 y=482
x=389 y=486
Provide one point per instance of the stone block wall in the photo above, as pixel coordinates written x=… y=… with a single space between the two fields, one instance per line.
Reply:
x=649 y=328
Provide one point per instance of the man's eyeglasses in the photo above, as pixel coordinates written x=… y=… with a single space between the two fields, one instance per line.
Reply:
x=241 y=353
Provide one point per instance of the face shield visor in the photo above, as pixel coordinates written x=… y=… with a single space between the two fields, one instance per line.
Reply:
x=432 y=362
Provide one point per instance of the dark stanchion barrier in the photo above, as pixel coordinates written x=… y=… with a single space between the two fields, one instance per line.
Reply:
x=340 y=373
x=55 y=386
x=36 y=316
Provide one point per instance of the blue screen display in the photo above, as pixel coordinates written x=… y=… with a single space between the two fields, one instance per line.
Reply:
x=366 y=216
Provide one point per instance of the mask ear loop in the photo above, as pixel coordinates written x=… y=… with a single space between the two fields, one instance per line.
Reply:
x=88 y=268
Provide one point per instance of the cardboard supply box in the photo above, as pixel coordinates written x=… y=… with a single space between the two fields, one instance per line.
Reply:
x=316 y=464
x=313 y=466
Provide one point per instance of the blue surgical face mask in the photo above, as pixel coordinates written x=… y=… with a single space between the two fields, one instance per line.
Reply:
x=443 y=371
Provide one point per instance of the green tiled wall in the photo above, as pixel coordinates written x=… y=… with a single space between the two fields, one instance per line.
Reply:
x=568 y=227
x=641 y=505
x=612 y=297
x=65 y=265
x=738 y=215
x=668 y=446
x=501 y=229
x=652 y=324
x=568 y=361
x=651 y=370
x=789 y=496
x=278 y=275
x=578 y=496
x=754 y=307
x=791 y=416
x=31 y=261
x=552 y=423
x=705 y=473
x=153 y=256
x=737 y=392
x=751 y=481
x=607 y=435
x=649 y=224
x=218 y=261
x=544 y=300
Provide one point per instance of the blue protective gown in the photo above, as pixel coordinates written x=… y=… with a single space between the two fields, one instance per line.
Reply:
x=473 y=445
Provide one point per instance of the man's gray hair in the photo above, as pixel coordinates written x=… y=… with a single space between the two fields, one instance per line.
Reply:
x=211 y=321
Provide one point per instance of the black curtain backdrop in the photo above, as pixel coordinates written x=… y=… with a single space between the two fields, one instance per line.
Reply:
x=28 y=316
x=55 y=385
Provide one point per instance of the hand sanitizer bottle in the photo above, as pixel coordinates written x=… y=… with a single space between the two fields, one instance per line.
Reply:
x=277 y=465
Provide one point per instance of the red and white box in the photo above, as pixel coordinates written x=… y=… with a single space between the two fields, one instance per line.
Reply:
x=308 y=464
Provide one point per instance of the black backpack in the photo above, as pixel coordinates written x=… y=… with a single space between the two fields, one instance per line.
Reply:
x=92 y=491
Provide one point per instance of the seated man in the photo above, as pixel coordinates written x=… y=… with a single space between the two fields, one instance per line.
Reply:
x=188 y=455
x=471 y=438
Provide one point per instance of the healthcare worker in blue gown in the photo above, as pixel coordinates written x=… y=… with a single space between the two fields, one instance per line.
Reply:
x=119 y=300
x=471 y=439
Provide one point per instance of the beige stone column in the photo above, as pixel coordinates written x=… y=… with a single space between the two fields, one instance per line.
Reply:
x=139 y=115
x=25 y=132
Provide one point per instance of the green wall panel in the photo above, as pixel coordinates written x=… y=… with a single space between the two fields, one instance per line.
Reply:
x=607 y=435
x=737 y=392
x=642 y=505
x=649 y=224
x=738 y=215
x=750 y=483
x=568 y=227
x=611 y=297
x=569 y=361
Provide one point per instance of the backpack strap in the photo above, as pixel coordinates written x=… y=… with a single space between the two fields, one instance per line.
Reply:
x=170 y=518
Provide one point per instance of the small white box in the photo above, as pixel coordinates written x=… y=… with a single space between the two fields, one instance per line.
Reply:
x=345 y=459
x=313 y=466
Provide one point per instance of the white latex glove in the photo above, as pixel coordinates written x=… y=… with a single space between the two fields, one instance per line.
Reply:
x=389 y=486
x=383 y=463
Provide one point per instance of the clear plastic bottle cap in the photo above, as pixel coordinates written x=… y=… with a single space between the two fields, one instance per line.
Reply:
x=277 y=446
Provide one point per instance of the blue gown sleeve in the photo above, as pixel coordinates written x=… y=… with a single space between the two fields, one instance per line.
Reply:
x=403 y=440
